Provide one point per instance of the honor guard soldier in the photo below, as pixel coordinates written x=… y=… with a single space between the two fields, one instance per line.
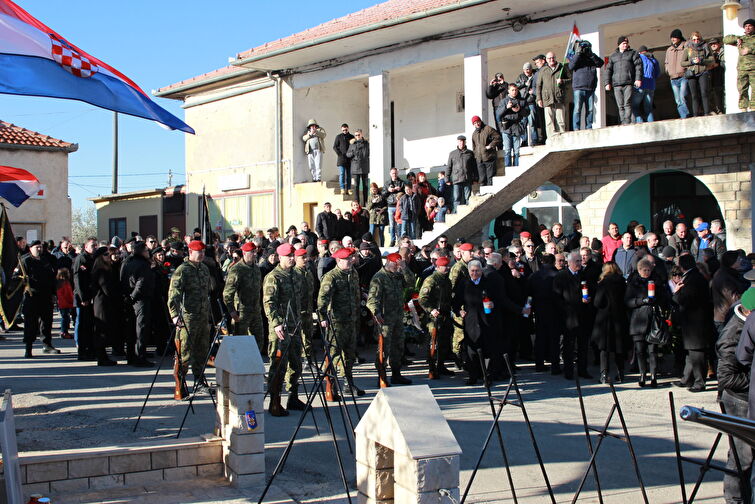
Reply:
x=458 y=272
x=385 y=301
x=435 y=299
x=38 y=299
x=242 y=296
x=339 y=302
x=189 y=306
x=282 y=297
x=307 y=279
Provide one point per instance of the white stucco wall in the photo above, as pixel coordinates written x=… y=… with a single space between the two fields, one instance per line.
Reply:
x=54 y=211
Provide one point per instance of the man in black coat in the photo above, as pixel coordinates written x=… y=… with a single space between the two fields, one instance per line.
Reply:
x=547 y=324
x=695 y=318
x=341 y=146
x=38 y=299
x=574 y=312
x=83 y=297
x=734 y=385
x=138 y=287
x=325 y=225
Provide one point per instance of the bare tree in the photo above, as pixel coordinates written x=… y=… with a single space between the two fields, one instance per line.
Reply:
x=83 y=224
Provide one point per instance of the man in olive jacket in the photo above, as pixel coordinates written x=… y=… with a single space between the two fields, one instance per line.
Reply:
x=485 y=141
x=552 y=82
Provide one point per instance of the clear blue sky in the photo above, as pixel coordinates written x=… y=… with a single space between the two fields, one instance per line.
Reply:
x=155 y=44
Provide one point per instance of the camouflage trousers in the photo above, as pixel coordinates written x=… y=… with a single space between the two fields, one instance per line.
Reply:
x=306 y=333
x=287 y=366
x=745 y=86
x=393 y=342
x=445 y=329
x=344 y=350
x=458 y=333
x=250 y=322
x=194 y=344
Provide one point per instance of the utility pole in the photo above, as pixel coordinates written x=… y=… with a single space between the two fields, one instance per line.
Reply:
x=170 y=177
x=115 y=152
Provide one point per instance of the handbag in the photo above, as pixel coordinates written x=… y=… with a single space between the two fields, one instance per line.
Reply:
x=659 y=333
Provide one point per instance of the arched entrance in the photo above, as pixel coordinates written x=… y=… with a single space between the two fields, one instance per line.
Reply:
x=656 y=197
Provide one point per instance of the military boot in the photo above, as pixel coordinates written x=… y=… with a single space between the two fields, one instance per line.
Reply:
x=397 y=379
x=349 y=388
x=294 y=403
x=275 y=409
x=27 y=354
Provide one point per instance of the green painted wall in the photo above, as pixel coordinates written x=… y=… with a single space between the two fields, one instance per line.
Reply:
x=634 y=204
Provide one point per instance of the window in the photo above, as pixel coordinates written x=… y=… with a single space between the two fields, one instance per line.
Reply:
x=117 y=227
x=546 y=205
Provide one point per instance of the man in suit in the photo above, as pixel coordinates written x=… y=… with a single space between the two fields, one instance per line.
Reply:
x=573 y=311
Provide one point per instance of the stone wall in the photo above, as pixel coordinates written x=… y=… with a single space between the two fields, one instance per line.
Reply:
x=595 y=182
x=66 y=471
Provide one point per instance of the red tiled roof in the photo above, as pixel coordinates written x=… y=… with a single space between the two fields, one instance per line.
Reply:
x=16 y=136
x=392 y=9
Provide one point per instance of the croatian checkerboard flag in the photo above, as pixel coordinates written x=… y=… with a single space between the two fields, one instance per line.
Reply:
x=574 y=36
x=37 y=61
x=17 y=185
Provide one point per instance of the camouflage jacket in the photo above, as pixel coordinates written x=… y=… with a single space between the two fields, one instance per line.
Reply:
x=308 y=284
x=435 y=293
x=746 y=51
x=281 y=288
x=458 y=270
x=385 y=298
x=339 y=295
x=190 y=287
x=242 y=287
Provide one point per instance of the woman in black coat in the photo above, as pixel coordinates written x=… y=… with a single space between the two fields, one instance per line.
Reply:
x=480 y=329
x=641 y=308
x=610 y=329
x=106 y=299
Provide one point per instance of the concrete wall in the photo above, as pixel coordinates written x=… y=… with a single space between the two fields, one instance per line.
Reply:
x=54 y=211
x=596 y=182
x=131 y=209
x=331 y=105
x=426 y=121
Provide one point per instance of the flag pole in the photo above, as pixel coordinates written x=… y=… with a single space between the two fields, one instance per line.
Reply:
x=115 y=152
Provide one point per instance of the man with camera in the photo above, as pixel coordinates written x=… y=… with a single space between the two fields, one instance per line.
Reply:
x=512 y=114
x=497 y=92
x=525 y=83
x=584 y=65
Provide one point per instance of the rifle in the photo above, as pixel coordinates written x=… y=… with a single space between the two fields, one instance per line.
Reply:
x=380 y=360
x=432 y=359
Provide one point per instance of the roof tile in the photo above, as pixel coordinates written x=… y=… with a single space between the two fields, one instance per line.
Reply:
x=12 y=135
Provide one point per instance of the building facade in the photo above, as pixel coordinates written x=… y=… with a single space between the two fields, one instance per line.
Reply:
x=46 y=216
x=413 y=74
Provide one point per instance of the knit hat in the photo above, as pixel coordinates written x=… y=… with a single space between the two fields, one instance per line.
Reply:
x=668 y=252
x=527 y=66
x=475 y=119
x=749 y=21
x=622 y=38
x=748 y=299
x=643 y=49
x=677 y=33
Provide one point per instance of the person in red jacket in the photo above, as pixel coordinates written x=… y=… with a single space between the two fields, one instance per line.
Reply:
x=65 y=301
x=611 y=242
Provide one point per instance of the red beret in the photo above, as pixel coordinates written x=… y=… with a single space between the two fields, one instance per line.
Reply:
x=248 y=247
x=285 y=249
x=300 y=252
x=343 y=253
x=467 y=247
x=196 y=245
x=544 y=232
x=324 y=242
x=525 y=234
x=442 y=261
x=394 y=257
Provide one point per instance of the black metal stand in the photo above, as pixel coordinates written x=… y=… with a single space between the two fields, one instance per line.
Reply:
x=707 y=464
x=519 y=403
x=602 y=434
x=322 y=372
x=216 y=340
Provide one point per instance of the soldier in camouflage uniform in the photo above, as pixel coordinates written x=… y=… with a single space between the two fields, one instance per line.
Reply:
x=242 y=296
x=282 y=296
x=189 y=306
x=307 y=278
x=385 y=301
x=746 y=66
x=435 y=299
x=339 y=299
x=459 y=272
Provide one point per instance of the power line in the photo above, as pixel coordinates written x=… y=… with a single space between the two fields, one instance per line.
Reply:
x=126 y=175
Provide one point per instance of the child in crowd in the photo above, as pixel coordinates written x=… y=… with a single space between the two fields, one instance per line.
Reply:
x=65 y=301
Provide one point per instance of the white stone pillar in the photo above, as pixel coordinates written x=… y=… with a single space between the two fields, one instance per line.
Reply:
x=240 y=410
x=476 y=103
x=731 y=55
x=380 y=127
x=595 y=37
